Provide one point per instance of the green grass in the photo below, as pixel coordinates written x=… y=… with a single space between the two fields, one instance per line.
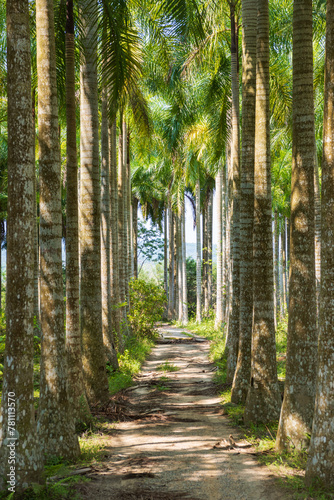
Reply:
x=167 y=367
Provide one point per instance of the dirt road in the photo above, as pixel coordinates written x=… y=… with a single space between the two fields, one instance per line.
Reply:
x=178 y=446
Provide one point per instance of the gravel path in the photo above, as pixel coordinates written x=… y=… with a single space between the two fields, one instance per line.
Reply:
x=179 y=446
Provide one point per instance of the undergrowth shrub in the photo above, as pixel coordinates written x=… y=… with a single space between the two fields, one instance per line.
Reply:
x=147 y=302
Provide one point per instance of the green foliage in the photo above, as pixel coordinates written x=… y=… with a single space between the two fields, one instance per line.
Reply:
x=281 y=345
x=136 y=351
x=191 y=286
x=150 y=243
x=147 y=302
x=167 y=367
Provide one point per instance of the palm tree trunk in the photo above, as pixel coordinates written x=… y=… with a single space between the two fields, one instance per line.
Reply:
x=276 y=265
x=76 y=387
x=94 y=367
x=18 y=375
x=122 y=226
x=184 y=265
x=317 y=230
x=198 y=251
x=56 y=422
x=219 y=294
x=284 y=268
x=299 y=395
x=233 y=325
x=205 y=259
x=263 y=400
x=135 y=202
x=180 y=270
x=176 y=267
x=210 y=214
x=166 y=251
x=114 y=246
x=171 y=263
x=281 y=283
x=125 y=186
x=129 y=212
x=321 y=453
x=37 y=328
x=108 y=341
x=243 y=368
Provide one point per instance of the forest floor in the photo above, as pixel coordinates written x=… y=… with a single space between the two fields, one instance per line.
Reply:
x=172 y=439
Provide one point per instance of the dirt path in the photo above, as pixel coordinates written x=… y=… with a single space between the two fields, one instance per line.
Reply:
x=169 y=451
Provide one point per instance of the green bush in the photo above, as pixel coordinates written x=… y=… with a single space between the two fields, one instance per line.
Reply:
x=147 y=303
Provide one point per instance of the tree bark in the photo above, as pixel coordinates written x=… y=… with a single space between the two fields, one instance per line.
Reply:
x=233 y=324
x=171 y=263
x=263 y=400
x=18 y=360
x=114 y=246
x=299 y=394
x=122 y=229
x=56 y=422
x=205 y=259
x=108 y=340
x=94 y=368
x=135 y=203
x=198 y=252
x=243 y=368
x=321 y=452
x=76 y=387
x=219 y=294
x=184 y=265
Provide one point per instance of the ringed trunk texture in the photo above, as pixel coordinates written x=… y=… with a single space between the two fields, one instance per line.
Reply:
x=243 y=368
x=166 y=250
x=180 y=273
x=209 y=278
x=198 y=252
x=263 y=400
x=135 y=203
x=184 y=266
x=299 y=394
x=233 y=324
x=108 y=340
x=205 y=259
x=76 y=387
x=55 y=422
x=94 y=362
x=114 y=245
x=321 y=452
x=18 y=361
x=171 y=263
x=219 y=295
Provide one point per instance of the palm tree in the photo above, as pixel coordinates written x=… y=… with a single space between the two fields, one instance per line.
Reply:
x=73 y=341
x=299 y=393
x=108 y=340
x=320 y=455
x=198 y=249
x=114 y=249
x=56 y=423
x=233 y=325
x=18 y=367
x=263 y=399
x=184 y=269
x=95 y=375
x=219 y=294
x=122 y=223
x=243 y=368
